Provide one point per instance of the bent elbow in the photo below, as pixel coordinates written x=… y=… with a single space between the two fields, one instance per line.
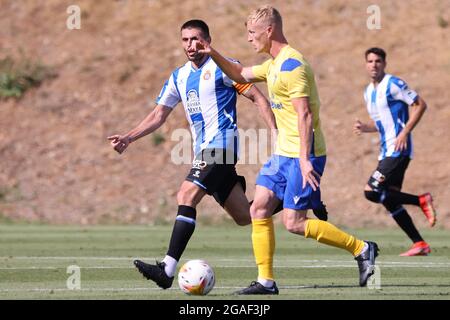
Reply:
x=422 y=104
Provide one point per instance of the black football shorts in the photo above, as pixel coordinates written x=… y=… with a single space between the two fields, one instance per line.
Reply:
x=389 y=173
x=214 y=170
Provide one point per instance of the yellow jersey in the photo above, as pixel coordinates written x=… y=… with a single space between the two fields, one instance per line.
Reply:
x=290 y=76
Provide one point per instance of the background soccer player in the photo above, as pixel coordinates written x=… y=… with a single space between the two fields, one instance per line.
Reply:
x=388 y=99
x=300 y=155
x=209 y=100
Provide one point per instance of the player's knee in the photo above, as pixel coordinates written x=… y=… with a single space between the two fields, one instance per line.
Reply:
x=185 y=198
x=391 y=206
x=257 y=212
x=395 y=210
x=243 y=220
x=296 y=226
x=373 y=196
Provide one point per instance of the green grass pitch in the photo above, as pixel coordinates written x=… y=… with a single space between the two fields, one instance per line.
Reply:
x=34 y=261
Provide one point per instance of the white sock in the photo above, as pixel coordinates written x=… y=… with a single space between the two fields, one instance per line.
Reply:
x=171 y=265
x=266 y=283
x=366 y=246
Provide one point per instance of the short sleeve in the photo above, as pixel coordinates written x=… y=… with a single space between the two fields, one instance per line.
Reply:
x=260 y=71
x=400 y=91
x=169 y=95
x=297 y=78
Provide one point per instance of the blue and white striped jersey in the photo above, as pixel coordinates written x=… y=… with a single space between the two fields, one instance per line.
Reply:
x=209 y=100
x=387 y=105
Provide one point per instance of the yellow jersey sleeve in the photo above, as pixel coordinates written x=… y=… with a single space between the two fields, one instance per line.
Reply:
x=298 y=83
x=260 y=71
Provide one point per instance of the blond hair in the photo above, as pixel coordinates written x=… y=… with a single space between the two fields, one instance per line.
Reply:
x=267 y=14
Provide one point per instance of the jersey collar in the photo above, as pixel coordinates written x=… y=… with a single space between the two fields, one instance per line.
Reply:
x=200 y=67
x=281 y=53
x=382 y=80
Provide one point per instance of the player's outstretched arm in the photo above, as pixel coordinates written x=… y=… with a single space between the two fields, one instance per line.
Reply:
x=235 y=71
x=153 y=121
x=361 y=127
x=258 y=98
x=417 y=111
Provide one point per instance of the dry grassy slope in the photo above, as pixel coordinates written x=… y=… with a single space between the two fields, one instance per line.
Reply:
x=58 y=167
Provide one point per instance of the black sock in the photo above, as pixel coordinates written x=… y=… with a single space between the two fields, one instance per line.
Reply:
x=401 y=197
x=182 y=231
x=405 y=222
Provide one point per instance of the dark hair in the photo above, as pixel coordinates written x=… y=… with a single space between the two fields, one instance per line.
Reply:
x=197 y=24
x=378 y=51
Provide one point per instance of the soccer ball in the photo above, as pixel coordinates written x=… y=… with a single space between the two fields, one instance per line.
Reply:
x=196 y=277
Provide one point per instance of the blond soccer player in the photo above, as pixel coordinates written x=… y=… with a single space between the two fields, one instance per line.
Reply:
x=292 y=174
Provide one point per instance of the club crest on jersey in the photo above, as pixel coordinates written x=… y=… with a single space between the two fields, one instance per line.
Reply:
x=274 y=78
x=193 y=105
x=207 y=75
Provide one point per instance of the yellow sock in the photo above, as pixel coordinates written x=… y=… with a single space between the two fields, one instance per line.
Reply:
x=327 y=233
x=263 y=239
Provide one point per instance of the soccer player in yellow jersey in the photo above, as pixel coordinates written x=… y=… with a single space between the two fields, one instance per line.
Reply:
x=292 y=174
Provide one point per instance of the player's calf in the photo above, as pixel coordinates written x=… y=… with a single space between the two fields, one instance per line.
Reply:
x=295 y=221
x=373 y=196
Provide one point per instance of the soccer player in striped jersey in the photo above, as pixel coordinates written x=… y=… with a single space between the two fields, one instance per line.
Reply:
x=209 y=100
x=292 y=175
x=388 y=100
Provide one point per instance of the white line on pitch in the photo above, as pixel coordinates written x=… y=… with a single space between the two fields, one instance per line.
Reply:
x=131 y=289
x=399 y=263
x=318 y=266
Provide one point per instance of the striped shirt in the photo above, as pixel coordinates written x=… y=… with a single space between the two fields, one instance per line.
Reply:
x=387 y=105
x=209 y=100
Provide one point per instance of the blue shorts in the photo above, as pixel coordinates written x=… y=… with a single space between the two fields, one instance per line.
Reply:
x=282 y=175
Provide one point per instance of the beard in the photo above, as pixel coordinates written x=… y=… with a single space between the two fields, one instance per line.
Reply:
x=196 y=57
